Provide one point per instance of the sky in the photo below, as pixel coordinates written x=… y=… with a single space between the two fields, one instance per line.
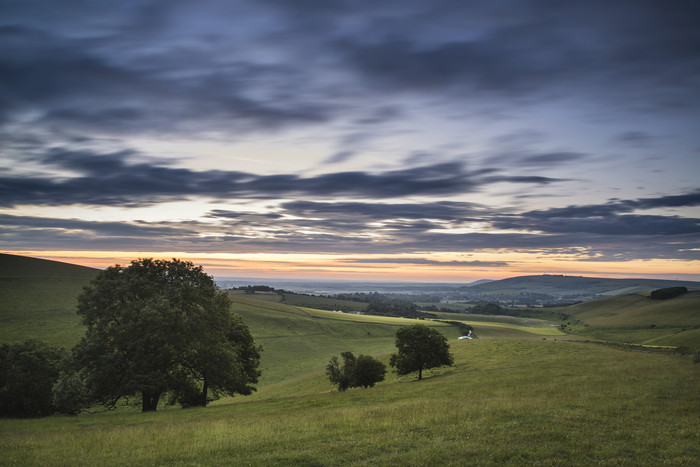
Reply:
x=387 y=140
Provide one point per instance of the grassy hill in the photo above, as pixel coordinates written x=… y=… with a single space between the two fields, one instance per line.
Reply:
x=38 y=299
x=297 y=340
x=636 y=318
x=574 y=285
x=309 y=301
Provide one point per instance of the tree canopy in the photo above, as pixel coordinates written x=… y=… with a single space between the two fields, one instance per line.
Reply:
x=363 y=370
x=420 y=348
x=158 y=327
x=28 y=371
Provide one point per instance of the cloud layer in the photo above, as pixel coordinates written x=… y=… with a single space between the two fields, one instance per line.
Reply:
x=353 y=127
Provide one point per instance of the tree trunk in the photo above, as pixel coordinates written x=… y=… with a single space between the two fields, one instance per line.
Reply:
x=149 y=401
x=205 y=388
x=420 y=374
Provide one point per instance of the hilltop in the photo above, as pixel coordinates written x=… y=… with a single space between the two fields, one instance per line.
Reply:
x=16 y=267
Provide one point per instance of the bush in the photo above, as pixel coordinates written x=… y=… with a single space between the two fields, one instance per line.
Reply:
x=362 y=371
x=28 y=372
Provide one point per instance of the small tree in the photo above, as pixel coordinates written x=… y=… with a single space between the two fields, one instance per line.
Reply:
x=358 y=371
x=420 y=348
x=367 y=372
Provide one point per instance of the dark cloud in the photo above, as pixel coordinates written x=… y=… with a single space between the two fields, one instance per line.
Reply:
x=102 y=229
x=671 y=201
x=635 y=139
x=549 y=159
x=542 y=50
x=444 y=210
x=71 y=82
x=613 y=218
x=425 y=261
x=614 y=225
x=110 y=179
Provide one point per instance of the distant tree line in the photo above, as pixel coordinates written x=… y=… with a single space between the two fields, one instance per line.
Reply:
x=251 y=289
x=489 y=308
x=667 y=293
x=380 y=304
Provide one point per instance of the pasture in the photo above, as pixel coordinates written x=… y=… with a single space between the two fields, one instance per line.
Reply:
x=504 y=402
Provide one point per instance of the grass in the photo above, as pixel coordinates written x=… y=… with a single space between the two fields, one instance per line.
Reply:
x=38 y=299
x=505 y=402
x=637 y=319
x=297 y=340
x=308 y=301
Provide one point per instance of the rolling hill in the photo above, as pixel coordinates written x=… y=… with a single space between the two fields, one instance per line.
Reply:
x=38 y=299
x=636 y=318
x=572 y=287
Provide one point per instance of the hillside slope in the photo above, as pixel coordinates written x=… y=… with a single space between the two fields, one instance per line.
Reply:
x=297 y=340
x=636 y=318
x=574 y=285
x=38 y=299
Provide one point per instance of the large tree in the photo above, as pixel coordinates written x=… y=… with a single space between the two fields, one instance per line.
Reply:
x=158 y=327
x=420 y=348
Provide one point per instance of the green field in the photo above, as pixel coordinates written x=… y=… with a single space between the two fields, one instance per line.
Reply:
x=296 y=340
x=505 y=402
x=308 y=301
x=635 y=318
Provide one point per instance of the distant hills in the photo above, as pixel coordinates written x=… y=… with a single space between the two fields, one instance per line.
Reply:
x=574 y=288
x=38 y=299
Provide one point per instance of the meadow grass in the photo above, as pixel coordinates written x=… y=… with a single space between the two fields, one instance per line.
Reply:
x=638 y=310
x=504 y=402
x=297 y=340
x=41 y=308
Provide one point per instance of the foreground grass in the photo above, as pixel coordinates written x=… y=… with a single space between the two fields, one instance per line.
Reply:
x=506 y=401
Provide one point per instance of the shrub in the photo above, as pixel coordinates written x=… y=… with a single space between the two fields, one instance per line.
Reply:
x=28 y=372
x=69 y=394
